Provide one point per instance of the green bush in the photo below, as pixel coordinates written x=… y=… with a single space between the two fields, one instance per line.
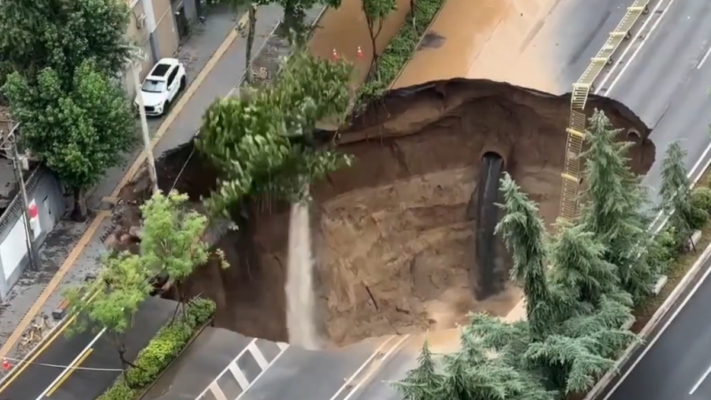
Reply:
x=161 y=351
x=698 y=218
x=399 y=50
x=663 y=250
x=701 y=198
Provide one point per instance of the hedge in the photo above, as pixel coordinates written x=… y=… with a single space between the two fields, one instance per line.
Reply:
x=399 y=50
x=160 y=352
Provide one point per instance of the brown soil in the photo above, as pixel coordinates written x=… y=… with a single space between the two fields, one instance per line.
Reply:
x=396 y=222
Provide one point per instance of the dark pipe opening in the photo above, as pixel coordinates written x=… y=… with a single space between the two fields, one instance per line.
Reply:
x=486 y=274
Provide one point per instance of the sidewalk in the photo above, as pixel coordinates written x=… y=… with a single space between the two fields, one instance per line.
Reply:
x=71 y=249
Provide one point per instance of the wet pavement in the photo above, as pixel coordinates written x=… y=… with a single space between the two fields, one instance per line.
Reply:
x=540 y=44
x=344 y=29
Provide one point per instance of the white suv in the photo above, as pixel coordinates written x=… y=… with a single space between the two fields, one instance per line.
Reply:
x=161 y=86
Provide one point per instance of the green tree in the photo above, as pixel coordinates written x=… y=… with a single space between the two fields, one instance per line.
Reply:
x=375 y=12
x=78 y=133
x=577 y=258
x=294 y=24
x=675 y=193
x=264 y=141
x=62 y=35
x=615 y=206
x=423 y=382
x=171 y=241
x=111 y=302
x=524 y=235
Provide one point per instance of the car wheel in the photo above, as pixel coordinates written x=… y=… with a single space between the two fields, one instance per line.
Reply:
x=166 y=107
x=182 y=82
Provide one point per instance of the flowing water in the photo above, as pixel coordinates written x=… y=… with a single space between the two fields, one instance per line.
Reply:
x=300 y=295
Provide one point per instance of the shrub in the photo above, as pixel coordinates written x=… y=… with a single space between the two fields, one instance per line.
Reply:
x=161 y=351
x=698 y=218
x=701 y=198
x=399 y=50
x=664 y=250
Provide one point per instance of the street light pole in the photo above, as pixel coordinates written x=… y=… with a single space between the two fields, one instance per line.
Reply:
x=24 y=203
x=144 y=128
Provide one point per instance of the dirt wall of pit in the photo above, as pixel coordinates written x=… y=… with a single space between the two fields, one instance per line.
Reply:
x=394 y=233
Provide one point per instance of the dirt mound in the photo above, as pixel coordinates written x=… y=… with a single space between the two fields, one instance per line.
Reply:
x=393 y=236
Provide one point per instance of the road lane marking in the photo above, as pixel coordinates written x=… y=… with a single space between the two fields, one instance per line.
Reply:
x=362 y=367
x=703 y=60
x=69 y=369
x=702 y=259
x=374 y=370
x=638 y=49
x=706 y=374
x=52 y=285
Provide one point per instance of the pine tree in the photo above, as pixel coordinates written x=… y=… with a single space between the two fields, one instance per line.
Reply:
x=422 y=382
x=615 y=206
x=524 y=234
x=579 y=266
x=675 y=193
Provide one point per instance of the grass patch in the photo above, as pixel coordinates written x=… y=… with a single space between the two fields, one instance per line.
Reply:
x=399 y=50
x=165 y=347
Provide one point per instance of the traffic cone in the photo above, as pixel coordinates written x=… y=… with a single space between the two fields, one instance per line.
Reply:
x=335 y=55
x=359 y=52
x=6 y=365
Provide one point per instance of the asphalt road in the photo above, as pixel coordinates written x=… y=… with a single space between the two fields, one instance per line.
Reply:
x=667 y=84
x=679 y=362
x=41 y=379
x=668 y=87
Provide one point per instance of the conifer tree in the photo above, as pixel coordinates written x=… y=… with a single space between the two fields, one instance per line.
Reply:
x=579 y=267
x=615 y=206
x=524 y=234
x=675 y=193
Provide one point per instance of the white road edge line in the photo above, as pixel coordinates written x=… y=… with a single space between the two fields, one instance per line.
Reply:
x=708 y=371
x=385 y=357
x=69 y=367
x=362 y=367
x=703 y=60
x=702 y=259
x=692 y=172
x=632 y=57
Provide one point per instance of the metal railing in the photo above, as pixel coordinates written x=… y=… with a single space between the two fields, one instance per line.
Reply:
x=578 y=100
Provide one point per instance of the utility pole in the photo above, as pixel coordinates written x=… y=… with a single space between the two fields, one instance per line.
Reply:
x=17 y=168
x=144 y=127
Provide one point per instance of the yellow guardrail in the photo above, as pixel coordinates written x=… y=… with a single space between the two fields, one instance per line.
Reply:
x=578 y=101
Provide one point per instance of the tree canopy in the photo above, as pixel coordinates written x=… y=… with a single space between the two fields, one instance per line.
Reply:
x=171 y=239
x=77 y=133
x=62 y=35
x=112 y=301
x=58 y=62
x=263 y=141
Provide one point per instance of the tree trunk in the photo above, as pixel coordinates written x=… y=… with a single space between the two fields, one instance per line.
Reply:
x=294 y=27
x=80 y=212
x=250 y=42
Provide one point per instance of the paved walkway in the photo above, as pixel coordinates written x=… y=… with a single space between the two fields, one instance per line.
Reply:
x=71 y=250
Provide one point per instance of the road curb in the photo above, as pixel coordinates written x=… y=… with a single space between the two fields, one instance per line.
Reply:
x=652 y=324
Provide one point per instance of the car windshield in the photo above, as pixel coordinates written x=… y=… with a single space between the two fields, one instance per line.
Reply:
x=152 y=86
